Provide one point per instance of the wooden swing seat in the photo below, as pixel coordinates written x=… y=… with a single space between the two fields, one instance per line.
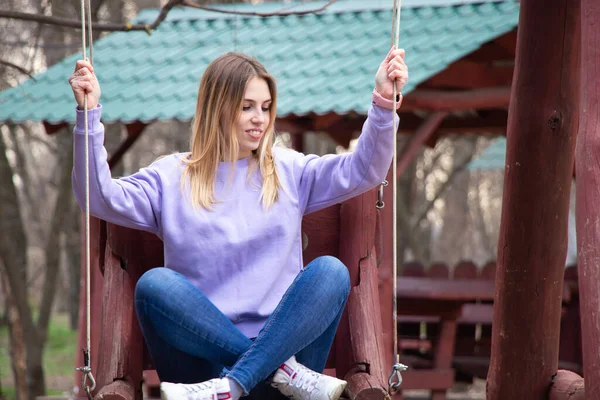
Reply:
x=346 y=231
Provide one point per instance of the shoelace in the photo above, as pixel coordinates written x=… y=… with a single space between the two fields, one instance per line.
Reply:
x=194 y=390
x=305 y=381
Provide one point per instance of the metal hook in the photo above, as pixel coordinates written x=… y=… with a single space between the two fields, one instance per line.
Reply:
x=394 y=386
x=87 y=373
x=380 y=204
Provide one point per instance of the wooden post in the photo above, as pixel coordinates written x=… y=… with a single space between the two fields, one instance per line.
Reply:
x=588 y=196
x=386 y=288
x=359 y=341
x=542 y=126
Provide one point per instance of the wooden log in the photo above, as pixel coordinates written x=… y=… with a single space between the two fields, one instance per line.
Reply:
x=567 y=385
x=385 y=272
x=128 y=254
x=366 y=327
x=444 y=289
x=588 y=196
x=118 y=390
x=541 y=135
x=319 y=237
x=358 y=347
x=362 y=386
x=121 y=339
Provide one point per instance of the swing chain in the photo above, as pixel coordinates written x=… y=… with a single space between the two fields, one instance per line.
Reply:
x=87 y=373
x=380 y=204
x=395 y=375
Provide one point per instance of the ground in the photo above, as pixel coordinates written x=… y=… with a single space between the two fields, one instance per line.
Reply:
x=61 y=350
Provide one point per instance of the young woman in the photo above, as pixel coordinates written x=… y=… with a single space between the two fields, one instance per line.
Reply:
x=234 y=312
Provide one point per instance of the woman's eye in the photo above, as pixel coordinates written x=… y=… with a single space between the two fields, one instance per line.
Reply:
x=246 y=108
x=266 y=108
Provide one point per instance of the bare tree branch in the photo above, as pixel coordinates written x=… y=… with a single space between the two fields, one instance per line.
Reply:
x=107 y=27
x=111 y=27
x=17 y=67
x=192 y=4
x=429 y=205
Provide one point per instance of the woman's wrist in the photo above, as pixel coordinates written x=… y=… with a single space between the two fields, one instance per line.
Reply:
x=386 y=102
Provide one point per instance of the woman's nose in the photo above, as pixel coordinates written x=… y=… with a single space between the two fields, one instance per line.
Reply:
x=259 y=117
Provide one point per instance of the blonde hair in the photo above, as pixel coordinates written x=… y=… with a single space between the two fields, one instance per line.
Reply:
x=220 y=101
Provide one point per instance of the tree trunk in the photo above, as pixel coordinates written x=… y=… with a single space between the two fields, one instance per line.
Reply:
x=18 y=354
x=13 y=253
x=542 y=127
x=52 y=251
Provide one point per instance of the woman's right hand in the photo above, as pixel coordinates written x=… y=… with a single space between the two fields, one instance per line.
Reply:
x=84 y=81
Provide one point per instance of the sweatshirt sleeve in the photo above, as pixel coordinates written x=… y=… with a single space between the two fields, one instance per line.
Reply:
x=331 y=179
x=132 y=201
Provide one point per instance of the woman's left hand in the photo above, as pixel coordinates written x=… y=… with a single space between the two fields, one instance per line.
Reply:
x=392 y=68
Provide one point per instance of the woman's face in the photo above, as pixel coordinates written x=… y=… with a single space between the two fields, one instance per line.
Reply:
x=254 y=116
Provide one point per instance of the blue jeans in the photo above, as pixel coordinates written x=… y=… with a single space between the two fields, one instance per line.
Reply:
x=190 y=340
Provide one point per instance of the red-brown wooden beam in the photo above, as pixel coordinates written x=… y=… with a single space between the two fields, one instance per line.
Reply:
x=502 y=48
x=588 y=197
x=437 y=100
x=508 y=42
x=293 y=125
x=51 y=129
x=411 y=150
x=542 y=127
x=480 y=75
x=489 y=122
x=134 y=131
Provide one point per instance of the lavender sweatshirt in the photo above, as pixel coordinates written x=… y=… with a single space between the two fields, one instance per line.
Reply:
x=240 y=256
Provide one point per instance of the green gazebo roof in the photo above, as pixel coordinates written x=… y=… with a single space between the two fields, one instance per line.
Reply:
x=323 y=63
x=493 y=157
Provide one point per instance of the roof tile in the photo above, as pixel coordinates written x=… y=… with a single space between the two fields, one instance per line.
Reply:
x=322 y=62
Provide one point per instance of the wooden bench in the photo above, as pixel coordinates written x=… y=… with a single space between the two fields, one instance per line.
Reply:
x=444 y=324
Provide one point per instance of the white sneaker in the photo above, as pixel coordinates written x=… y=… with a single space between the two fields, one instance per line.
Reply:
x=215 y=389
x=300 y=383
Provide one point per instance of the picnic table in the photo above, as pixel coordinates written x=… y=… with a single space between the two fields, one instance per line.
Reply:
x=465 y=299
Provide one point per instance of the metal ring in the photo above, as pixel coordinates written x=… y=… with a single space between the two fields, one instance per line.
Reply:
x=394 y=386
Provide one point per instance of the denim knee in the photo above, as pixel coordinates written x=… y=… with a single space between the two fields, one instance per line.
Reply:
x=332 y=270
x=151 y=281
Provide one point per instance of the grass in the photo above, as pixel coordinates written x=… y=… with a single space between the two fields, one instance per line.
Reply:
x=59 y=358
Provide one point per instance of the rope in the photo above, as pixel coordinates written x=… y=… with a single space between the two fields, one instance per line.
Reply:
x=395 y=379
x=86 y=369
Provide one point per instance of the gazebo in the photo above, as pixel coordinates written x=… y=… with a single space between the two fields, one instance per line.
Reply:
x=148 y=78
